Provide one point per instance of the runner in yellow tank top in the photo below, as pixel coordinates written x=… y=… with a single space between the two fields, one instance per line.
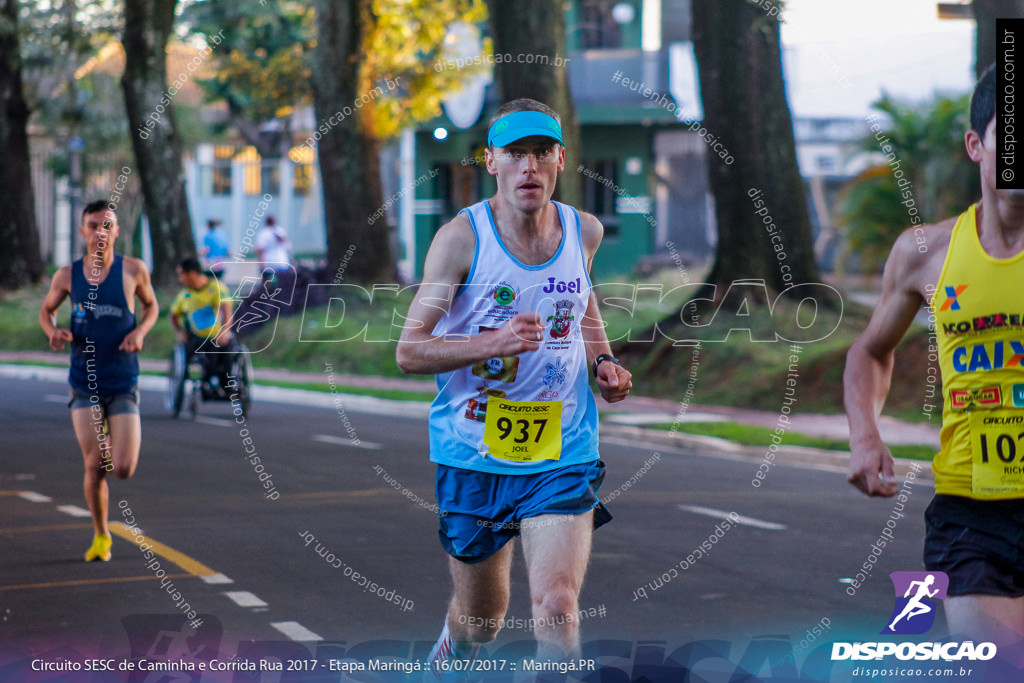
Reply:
x=970 y=269
x=979 y=324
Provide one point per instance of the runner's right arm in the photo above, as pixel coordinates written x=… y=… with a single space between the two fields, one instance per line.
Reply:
x=60 y=289
x=869 y=365
x=447 y=266
x=225 y=315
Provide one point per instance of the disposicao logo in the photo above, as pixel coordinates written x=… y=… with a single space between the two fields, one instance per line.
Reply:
x=917 y=597
x=916 y=600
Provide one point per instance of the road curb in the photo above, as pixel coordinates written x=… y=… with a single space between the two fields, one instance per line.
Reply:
x=783 y=455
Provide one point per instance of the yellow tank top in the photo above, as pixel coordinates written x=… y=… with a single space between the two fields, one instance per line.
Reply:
x=979 y=317
x=202 y=308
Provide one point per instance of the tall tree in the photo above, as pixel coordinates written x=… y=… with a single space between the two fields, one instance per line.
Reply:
x=744 y=99
x=72 y=59
x=537 y=27
x=985 y=14
x=925 y=146
x=347 y=150
x=407 y=41
x=261 y=64
x=20 y=261
x=155 y=139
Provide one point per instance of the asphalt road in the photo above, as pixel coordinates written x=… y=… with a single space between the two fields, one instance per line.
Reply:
x=241 y=561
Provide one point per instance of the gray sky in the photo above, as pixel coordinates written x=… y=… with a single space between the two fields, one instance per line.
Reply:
x=839 y=55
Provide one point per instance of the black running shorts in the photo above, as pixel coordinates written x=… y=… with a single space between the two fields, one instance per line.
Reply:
x=979 y=544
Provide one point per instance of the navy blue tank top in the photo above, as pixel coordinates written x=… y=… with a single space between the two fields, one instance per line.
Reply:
x=100 y=320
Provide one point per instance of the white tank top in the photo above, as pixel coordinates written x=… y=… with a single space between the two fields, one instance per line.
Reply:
x=498 y=287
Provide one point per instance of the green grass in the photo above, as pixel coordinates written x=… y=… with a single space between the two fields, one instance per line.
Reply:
x=741 y=363
x=753 y=435
x=360 y=339
x=647 y=303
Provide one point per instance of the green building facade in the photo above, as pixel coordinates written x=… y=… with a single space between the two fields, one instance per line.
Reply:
x=621 y=129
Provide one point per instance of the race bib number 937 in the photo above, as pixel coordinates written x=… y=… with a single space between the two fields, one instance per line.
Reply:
x=524 y=431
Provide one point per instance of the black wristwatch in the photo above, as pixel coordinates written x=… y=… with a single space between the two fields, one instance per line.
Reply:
x=603 y=357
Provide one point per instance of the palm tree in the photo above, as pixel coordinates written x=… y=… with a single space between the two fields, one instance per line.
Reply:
x=925 y=177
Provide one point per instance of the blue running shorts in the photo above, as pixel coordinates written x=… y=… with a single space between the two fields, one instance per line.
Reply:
x=481 y=512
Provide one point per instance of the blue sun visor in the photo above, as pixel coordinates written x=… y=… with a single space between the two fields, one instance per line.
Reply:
x=523 y=124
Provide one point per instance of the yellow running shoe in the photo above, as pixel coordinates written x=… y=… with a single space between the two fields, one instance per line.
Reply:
x=100 y=548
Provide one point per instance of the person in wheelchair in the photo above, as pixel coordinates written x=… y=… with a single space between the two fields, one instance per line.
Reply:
x=201 y=318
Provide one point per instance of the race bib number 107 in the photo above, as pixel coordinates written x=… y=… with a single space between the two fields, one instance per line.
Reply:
x=997 y=452
x=524 y=431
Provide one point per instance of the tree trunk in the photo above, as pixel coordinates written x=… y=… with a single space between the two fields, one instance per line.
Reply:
x=347 y=152
x=20 y=261
x=744 y=99
x=985 y=13
x=155 y=139
x=537 y=27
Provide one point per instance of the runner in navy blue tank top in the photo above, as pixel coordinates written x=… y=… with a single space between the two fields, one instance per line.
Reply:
x=105 y=340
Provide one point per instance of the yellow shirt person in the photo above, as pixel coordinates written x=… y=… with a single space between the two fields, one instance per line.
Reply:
x=203 y=307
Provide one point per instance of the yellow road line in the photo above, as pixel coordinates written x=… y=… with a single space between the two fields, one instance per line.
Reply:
x=82 y=582
x=193 y=567
x=48 y=527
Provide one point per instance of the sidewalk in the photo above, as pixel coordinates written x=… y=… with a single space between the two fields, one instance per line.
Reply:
x=151 y=365
x=640 y=410
x=635 y=411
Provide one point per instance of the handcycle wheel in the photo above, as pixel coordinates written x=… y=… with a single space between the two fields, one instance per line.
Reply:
x=193 y=403
x=176 y=378
x=241 y=368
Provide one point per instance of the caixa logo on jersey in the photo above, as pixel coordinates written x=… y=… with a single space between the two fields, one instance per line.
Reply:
x=916 y=601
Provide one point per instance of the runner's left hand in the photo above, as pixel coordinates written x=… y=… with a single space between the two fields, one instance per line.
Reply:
x=614 y=381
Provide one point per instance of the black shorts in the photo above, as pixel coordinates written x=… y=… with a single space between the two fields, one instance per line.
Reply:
x=979 y=544
x=118 y=404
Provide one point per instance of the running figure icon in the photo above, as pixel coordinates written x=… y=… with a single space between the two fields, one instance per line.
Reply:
x=916 y=606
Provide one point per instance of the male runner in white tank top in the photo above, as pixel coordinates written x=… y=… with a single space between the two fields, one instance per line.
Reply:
x=506 y=319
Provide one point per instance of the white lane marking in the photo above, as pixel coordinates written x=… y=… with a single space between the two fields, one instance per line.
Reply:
x=245 y=599
x=216 y=578
x=56 y=398
x=34 y=497
x=733 y=517
x=74 y=511
x=215 y=421
x=344 y=441
x=295 y=631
